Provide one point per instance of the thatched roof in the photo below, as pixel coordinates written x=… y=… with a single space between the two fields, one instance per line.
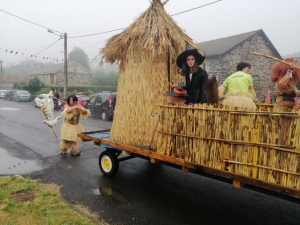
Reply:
x=152 y=33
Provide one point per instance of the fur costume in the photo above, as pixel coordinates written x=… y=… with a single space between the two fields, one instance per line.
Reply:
x=47 y=109
x=285 y=96
x=70 y=129
x=211 y=90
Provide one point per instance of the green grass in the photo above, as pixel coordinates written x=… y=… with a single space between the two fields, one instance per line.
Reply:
x=25 y=201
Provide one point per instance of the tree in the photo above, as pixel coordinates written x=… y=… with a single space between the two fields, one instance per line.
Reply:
x=35 y=85
x=79 y=56
x=105 y=76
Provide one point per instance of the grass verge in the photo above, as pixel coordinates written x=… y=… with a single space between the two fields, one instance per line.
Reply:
x=25 y=201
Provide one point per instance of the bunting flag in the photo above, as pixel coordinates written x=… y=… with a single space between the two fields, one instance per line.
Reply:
x=14 y=166
x=43 y=58
x=32 y=55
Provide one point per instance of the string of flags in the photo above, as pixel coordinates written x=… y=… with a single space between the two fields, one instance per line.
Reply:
x=13 y=166
x=47 y=60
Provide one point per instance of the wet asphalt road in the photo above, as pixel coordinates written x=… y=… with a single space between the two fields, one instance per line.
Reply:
x=140 y=193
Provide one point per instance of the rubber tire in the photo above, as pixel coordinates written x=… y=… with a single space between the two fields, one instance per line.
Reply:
x=105 y=118
x=108 y=163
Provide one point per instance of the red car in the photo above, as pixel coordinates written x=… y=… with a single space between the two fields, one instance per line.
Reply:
x=81 y=100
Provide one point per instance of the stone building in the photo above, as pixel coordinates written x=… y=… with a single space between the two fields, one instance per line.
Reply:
x=8 y=82
x=53 y=74
x=222 y=56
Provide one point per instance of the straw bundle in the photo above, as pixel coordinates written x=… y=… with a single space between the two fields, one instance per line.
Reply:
x=146 y=51
x=261 y=144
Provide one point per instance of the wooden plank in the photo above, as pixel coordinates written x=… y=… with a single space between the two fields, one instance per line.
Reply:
x=154 y=161
x=264 y=167
x=143 y=152
x=246 y=180
x=237 y=184
x=266 y=145
x=96 y=131
x=186 y=169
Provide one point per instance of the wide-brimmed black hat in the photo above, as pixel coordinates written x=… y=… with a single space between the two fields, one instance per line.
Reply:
x=179 y=91
x=197 y=53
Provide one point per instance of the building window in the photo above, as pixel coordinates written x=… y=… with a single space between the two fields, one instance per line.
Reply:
x=74 y=68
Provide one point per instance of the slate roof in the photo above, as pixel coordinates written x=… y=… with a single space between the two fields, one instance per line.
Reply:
x=223 y=45
x=54 y=68
x=49 y=68
x=16 y=79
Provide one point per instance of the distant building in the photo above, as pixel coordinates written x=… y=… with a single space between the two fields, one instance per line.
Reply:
x=9 y=81
x=222 y=56
x=53 y=74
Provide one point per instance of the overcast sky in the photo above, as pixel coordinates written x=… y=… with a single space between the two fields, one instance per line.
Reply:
x=277 y=18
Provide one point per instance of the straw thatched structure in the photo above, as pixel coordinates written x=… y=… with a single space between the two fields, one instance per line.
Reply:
x=262 y=144
x=146 y=51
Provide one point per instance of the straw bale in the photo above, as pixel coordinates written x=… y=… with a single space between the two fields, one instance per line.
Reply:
x=146 y=52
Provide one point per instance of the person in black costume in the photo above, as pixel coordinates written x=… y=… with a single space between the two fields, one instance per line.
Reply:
x=196 y=78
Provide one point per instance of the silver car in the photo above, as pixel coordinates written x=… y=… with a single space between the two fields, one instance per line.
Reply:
x=22 y=95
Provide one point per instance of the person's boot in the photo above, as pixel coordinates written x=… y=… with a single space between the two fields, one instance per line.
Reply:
x=75 y=152
x=63 y=152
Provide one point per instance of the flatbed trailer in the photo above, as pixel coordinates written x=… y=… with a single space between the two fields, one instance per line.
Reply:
x=109 y=162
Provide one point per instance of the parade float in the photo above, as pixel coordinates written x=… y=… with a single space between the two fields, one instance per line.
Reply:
x=255 y=147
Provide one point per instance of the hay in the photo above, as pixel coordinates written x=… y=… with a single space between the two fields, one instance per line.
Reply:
x=261 y=144
x=147 y=52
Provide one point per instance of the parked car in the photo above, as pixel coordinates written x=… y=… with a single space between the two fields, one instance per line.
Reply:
x=9 y=94
x=102 y=104
x=22 y=95
x=3 y=93
x=39 y=100
x=81 y=100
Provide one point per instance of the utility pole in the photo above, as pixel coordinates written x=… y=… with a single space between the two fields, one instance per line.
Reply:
x=65 y=65
x=1 y=75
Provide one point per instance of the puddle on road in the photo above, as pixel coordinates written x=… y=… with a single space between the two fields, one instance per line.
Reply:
x=107 y=191
x=10 y=165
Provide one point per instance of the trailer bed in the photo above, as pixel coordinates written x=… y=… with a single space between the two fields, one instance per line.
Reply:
x=109 y=162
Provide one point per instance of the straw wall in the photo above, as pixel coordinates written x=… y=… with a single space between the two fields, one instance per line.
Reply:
x=176 y=78
x=263 y=145
x=147 y=51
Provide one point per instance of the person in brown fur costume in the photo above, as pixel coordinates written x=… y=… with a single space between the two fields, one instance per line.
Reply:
x=71 y=127
x=285 y=78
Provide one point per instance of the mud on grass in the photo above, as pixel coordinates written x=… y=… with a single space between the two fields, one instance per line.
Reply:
x=25 y=201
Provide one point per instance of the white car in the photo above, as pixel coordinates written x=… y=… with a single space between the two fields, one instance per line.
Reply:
x=3 y=93
x=39 y=100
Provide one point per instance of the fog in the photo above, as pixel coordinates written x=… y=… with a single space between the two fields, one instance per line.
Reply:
x=95 y=19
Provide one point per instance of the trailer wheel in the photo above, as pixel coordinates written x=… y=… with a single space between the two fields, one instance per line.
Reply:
x=108 y=163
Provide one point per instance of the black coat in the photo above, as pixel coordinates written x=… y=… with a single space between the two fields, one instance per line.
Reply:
x=196 y=86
